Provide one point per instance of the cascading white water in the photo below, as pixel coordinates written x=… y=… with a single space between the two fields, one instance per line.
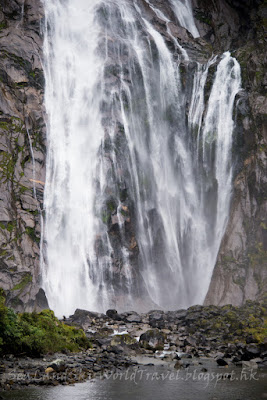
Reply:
x=137 y=189
x=184 y=14
x=73 y=71
x=214 y=164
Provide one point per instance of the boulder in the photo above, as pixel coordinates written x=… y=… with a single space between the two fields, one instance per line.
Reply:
x=180 y=314
x=113 y=314
x=57 y=365
x=122 y=340
x=221 y=362
x=251 y=351
x=156 y=319
x=133 y=317
x=153 y=339
x=178 y=365
x=190 y=341
x=84 y=318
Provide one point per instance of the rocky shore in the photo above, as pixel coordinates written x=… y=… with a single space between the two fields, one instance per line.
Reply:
x=226 y=336
x=58 y=368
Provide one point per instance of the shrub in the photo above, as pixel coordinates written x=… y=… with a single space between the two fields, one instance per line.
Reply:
x=34 y=333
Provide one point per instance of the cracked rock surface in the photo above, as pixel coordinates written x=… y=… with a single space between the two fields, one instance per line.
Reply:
x=22 y=135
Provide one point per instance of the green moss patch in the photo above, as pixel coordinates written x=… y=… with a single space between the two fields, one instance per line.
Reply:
x=23 y=283
x=34 y=334
x=32 y=234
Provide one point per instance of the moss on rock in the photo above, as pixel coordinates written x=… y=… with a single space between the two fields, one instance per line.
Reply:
x=34 y=333
x=23 y=283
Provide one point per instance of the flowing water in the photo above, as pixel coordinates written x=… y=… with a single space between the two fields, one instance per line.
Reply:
x=184 y=14
x=139 y=163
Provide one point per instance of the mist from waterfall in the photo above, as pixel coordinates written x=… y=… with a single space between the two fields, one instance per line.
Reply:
x=139 y=170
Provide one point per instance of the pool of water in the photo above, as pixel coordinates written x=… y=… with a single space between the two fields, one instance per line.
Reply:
x=158 y=383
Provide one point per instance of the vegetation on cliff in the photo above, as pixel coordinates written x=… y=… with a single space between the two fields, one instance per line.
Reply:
x=34 y=333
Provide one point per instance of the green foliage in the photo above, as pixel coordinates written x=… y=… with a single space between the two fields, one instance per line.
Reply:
x=37 y=333
x=257 y=330
x=31 y=233
x=109 y=208
x=7 y=165
x=11 y=226
x=3 y=25
x=105 y=217
x=203 y=17
x=24 y=282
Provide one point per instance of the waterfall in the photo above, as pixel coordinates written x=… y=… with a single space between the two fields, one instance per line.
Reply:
x=139 y=168
x=184 y=14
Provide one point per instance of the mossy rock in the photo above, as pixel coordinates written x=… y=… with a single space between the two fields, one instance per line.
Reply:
x=35 y=334
x=153 y=339
x=124 y=339
x=27 y=278
x=104 y=332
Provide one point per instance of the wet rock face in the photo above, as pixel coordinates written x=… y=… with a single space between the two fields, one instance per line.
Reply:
x=240 y=272
x=21 y=127
x=238 y=26
x=241 y=269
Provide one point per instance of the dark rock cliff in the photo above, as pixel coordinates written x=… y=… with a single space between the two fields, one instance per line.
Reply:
x=238 y=26
x=21 y=126
x=241 y=269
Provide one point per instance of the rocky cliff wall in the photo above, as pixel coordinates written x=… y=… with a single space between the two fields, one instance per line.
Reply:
x=21 y=126
x=240 y=272
x=241 y=269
